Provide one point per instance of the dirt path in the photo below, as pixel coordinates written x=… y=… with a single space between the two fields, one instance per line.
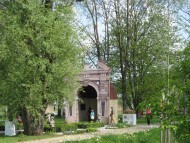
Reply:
x=100 y=132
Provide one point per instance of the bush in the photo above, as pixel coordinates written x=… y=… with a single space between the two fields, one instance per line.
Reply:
x=62 y=127
x=19 y=126
x=59 y=120
x=85 y=125
x=91 y=129
x=68 y=127
x=81 y=131
x=122 y=125
x=82 y=125
x=182 y=132
x=120 y=118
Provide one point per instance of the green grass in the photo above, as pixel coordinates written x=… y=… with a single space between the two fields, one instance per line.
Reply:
x=19 y=138
x=133 y=138
x=152 y=136
x=142 y=120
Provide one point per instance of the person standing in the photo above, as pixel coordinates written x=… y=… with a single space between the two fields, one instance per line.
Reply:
x=112 y=116
x=148 y=114
x=92 y=115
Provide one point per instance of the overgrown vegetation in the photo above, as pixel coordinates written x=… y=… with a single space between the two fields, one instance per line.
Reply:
x=152 y=136
x=60 y=126
x=38 y=56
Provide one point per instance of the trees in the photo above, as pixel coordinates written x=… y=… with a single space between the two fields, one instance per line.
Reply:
x=136 y=35
x=96 y=28
x=176 y=104
x=184 y=123
x=39 y=59
x=141 y=35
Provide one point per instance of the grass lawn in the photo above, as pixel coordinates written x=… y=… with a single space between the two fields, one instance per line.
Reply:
x=152 y=136
x=142 y=120
x=19 y=138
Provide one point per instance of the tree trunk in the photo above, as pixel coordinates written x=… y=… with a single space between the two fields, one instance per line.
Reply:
x=59 y=111
x=32 y=125
x=137 y=112
x=124 y=90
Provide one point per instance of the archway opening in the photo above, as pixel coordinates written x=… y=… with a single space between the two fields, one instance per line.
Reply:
x=87 y=99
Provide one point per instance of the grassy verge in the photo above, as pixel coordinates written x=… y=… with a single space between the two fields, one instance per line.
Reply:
x=154 y=120
x=152 y=136
x=20 y=138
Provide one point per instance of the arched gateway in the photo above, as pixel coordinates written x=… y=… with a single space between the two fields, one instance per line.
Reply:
x=97 y=93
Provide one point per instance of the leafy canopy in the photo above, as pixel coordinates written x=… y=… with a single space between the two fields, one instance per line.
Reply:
x=39 y=56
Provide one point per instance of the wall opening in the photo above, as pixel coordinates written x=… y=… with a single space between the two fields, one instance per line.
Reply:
x=87 y=98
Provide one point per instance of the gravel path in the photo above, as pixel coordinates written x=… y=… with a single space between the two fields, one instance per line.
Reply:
x=100 y=132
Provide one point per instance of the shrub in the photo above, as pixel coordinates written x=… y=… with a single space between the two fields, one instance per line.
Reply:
x=82 y=125
x=122 y=125
x=19 y=126
x=183 y=130
x=91 y=129
x=85 y=125
x=68 y=127
x=120 y=118
x=81 y=131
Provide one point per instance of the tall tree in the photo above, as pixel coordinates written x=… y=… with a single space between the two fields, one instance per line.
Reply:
x=136 y=37
x=141 y=33
x=176 y=99
x=96 y=28
x=39 y=59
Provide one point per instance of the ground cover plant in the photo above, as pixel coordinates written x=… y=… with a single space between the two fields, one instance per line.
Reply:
x=151 y=136
x=142 y=120
x=21 y=137
x=60 y=126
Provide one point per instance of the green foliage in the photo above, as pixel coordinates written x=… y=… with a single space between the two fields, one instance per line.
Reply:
x=91 y=129
x=68 y=127
x=79 y=127
x=182 y=131
x=85 y=125
x=154 y=120
x=142 y=40
x=123 y=125
x=120 y=118
x=178 y=109
x=59 y=121
x=3 y=113
x=22 y=138
x=89 y=126
x=151 y=136
x=175 y=100
x=39 y=57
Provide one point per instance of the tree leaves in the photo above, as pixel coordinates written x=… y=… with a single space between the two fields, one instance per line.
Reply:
x=40 y=56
